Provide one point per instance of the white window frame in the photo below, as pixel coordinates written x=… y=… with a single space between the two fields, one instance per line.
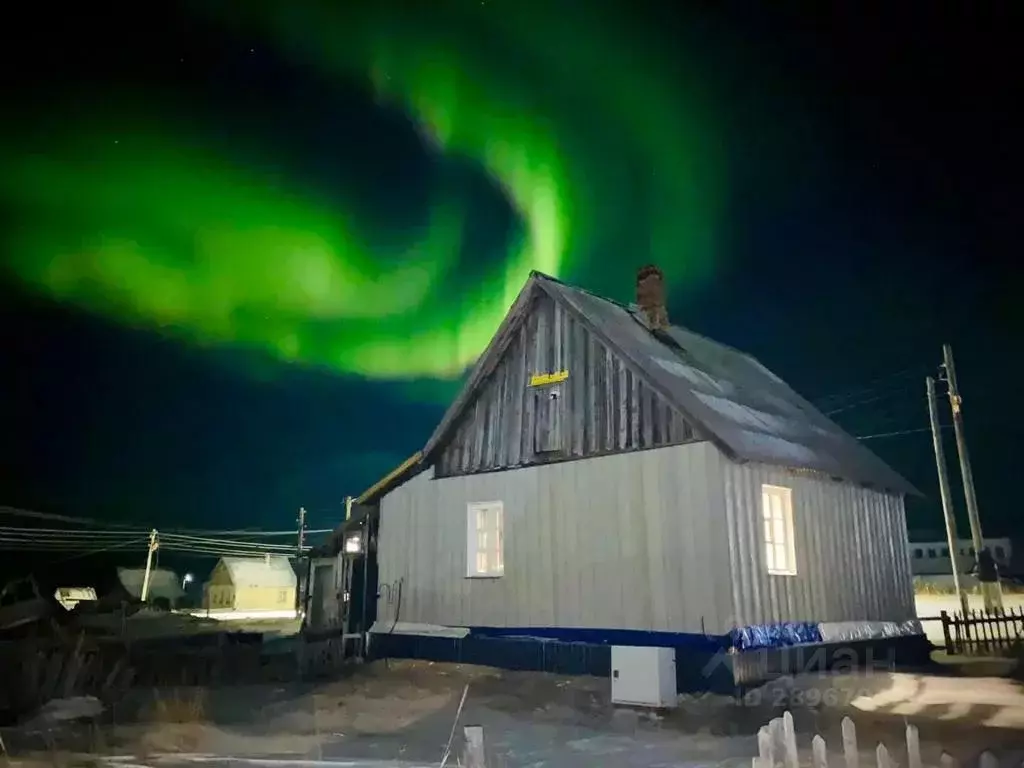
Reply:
x=778 y=531
x=485 y=540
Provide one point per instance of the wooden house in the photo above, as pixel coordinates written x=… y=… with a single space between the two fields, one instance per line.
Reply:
x=608 y=478
x=252 y=584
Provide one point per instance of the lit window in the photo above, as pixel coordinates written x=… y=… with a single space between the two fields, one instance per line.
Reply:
x=485 y=554
x=777 y=510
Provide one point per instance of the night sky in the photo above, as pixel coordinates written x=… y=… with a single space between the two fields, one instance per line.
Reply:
x=246 y=259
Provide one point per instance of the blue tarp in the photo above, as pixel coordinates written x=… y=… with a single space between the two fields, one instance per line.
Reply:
x=775 y=635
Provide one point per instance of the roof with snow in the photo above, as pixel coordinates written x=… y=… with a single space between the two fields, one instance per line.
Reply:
x=728 y=396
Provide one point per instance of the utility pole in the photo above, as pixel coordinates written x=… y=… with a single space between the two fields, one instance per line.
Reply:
x=302 y=530
x=956 y=403
x=154 y=545
x=947 y=502
x=301 y=595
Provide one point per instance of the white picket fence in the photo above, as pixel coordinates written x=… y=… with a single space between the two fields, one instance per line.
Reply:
x=776 y=746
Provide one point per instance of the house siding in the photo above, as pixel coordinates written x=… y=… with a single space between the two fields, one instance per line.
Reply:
x=604 y=406
x=264 y=598
x=852 y=558
x=614 y=542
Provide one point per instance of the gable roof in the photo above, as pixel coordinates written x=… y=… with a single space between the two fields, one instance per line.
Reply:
x=728 y=396
x=162 y=583
x=260 y=572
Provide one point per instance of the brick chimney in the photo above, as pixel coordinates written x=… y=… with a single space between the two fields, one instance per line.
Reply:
x=650 y=297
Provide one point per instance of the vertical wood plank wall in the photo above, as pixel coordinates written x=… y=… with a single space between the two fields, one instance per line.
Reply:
x=605 y=408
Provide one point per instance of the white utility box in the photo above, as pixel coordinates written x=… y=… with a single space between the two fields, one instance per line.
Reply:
x=644 y=677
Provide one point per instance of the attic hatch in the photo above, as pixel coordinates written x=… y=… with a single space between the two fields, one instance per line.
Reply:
x=547 y=419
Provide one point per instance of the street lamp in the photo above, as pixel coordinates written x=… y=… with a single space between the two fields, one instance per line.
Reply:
x=187 y=580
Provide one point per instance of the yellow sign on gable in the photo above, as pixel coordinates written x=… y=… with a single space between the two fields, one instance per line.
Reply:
x=543 y=379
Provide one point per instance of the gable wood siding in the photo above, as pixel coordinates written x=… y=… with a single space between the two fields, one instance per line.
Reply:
x=602 y=408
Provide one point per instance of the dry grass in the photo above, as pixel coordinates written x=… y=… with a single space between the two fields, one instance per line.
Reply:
x=924 y=587
x=178 y=707
x=175 y=721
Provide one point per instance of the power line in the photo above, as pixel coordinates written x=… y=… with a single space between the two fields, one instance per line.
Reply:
x=242 y=532
x=37 y=541
x=196 y=549
x=99 y=527
x=835 y=399
x=100 y=550
x=28 y=546
x=48 y=532
x=867 y=401
x=27 y=513
x=902 y=432
x=55 y=540
x=235 y=542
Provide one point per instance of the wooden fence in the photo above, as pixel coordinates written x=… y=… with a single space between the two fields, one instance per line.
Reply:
x=33 y=672
x=776 y=744
x=983 y=634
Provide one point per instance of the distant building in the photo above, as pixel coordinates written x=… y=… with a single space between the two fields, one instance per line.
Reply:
x=930 y=557
x=69 y=597
x=164 y=584
x=251 y=584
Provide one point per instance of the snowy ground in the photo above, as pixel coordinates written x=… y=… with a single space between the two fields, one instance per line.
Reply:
x=403 y=714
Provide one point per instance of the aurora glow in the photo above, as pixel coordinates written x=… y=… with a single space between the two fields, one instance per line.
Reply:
x=588 y=139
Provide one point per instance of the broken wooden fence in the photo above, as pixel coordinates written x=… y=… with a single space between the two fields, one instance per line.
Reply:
x=776 y=746
x=983 y=634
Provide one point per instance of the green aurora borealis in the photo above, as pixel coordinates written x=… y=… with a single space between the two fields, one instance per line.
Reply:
x=594 y=143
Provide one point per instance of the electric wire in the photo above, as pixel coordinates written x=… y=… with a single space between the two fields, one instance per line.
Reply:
x=836 y=399
x=99 y=525
x=51 y=533
x=902 y=432
x=27 y=513
x=32 y=542
x=244 y=532
x=885 y=395
x=210 y=540
x=228 y=552
x=55 y=540
x=88 y=553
